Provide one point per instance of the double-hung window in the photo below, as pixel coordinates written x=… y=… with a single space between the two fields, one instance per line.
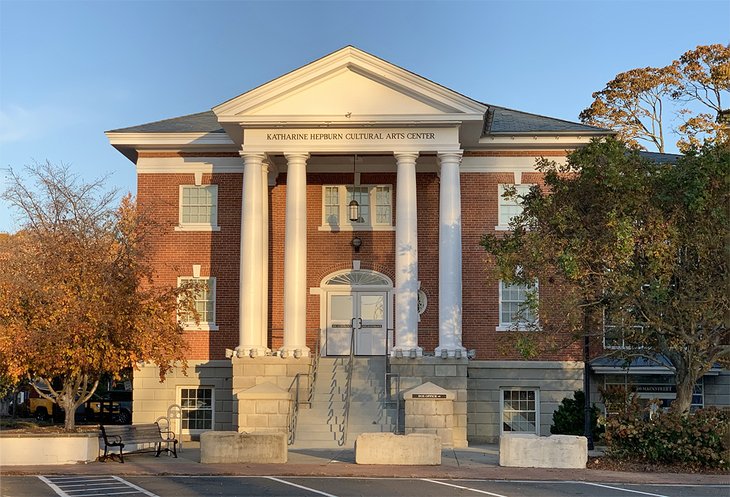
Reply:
x=374 y=207
x=517 y=306
x=520 y=410
x=619 y=328
x=197 y=411
x=510 y=206
x=204 y=305
x=198 y=208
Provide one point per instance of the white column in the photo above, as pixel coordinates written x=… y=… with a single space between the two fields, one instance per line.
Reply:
x=249 y=302
x=450 y=257
x=406 y=258
x=263 y=340
x=295 y=258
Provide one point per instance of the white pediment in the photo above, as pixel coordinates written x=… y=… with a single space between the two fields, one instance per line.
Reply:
x=349 y=87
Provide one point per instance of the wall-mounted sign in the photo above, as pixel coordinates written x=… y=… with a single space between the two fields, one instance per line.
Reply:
x=351 y=139
x=428 y=396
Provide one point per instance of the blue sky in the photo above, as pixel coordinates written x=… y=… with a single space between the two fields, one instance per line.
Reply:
x=71 y=70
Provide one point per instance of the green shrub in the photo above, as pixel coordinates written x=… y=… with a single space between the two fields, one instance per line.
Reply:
x=699 y=440
x=568 y=417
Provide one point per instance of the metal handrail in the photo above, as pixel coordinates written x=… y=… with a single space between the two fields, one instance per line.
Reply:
x=348 y=391
x=294 y=409
x=314 y=367
x=388 y=378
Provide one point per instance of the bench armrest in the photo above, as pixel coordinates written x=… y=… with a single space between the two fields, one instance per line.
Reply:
x=167 y=435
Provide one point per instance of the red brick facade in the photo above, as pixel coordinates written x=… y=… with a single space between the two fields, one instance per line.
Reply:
x=175 y=252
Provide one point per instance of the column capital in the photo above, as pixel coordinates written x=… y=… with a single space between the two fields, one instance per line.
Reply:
x=405 y=156
x=450 y=156
x=296 y=157
x=252 y=157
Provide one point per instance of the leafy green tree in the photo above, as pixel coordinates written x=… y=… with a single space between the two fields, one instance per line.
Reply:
x=649 y=242
x=568 y=418
x=77 y=299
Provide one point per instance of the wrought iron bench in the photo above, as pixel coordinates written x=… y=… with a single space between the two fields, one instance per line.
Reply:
x=119 y=436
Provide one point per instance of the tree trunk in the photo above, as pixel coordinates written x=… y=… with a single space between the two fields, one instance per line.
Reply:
x=685 y=388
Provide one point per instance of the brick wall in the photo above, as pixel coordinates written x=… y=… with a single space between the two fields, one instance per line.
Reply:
x=174 y=253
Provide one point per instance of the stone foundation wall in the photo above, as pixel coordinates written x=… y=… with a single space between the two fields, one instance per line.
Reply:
x=554 y=381
x=152 y=398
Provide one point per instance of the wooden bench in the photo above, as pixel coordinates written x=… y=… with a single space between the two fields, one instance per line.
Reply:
x=119 y=436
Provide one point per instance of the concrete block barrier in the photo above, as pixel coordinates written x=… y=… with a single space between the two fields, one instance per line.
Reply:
x=234 y=447
x=407 y=450
x=531 y=451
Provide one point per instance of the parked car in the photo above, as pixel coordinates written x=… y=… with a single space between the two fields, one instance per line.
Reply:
x=112 y=407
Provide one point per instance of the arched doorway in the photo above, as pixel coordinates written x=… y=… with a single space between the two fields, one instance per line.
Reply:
x=359 y=302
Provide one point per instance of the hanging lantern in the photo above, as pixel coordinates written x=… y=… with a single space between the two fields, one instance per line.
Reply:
x=354 y=210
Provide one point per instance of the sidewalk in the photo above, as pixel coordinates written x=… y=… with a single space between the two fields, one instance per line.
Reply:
x=479 y=462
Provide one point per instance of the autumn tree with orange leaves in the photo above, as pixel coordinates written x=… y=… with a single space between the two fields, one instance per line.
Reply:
x=76 y=294
x=639 y=103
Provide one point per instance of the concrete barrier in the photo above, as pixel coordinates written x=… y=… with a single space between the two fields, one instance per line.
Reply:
x=530 y=451
x=234 y=447
x=48 y=449
x=407 y=450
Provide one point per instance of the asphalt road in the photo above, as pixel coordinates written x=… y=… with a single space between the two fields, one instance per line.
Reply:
x=271 y=486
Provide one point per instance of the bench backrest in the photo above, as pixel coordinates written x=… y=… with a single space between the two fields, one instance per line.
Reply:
x=132 y=432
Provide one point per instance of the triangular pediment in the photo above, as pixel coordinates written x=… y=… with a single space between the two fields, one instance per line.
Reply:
x=349 y=87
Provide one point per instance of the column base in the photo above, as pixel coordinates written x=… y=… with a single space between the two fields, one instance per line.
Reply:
x=412 y=352
x=293 y=352
x=251 y=351
x=451 y=352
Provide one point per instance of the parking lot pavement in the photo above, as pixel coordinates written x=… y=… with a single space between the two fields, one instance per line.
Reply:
x=479 y=462
x=282 y=486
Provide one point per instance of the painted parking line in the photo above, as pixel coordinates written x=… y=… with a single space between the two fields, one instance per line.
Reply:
x=92 y=486
x=301 y=487
x=622 y=489
x=463 y=488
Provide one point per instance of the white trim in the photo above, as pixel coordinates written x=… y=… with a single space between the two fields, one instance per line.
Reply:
x=452 y=104
x=503 y=389
x=178 y=399
x=197 y=227
x=167 y=139
x=189 y=165
x=506 y=164
x=562 y=141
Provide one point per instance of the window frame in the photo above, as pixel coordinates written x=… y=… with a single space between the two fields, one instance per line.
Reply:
x=522 y=325
x=344 y=223
x=183 y=226
x=502 y=410
x=502 y=202
x=204 y=325
x=183 y=409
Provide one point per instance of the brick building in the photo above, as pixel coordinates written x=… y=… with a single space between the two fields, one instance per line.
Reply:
x=342 y=205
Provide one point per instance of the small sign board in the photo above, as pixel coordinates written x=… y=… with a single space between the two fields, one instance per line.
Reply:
x=428 y=396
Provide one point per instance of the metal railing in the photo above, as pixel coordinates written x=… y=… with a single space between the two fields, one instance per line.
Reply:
x=312 y=374
x=294 y=409
x=391 y=377
x=348 y=391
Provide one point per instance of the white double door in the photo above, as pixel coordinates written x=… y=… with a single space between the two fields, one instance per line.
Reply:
x=363 y=313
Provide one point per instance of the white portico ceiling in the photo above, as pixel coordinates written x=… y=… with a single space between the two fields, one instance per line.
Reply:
x=349 y=88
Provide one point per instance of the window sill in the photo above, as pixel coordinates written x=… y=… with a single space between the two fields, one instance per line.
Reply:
x=197 y=227
x=509 y=327
x=200 y=327
x=502 y=227
x=335 y=229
